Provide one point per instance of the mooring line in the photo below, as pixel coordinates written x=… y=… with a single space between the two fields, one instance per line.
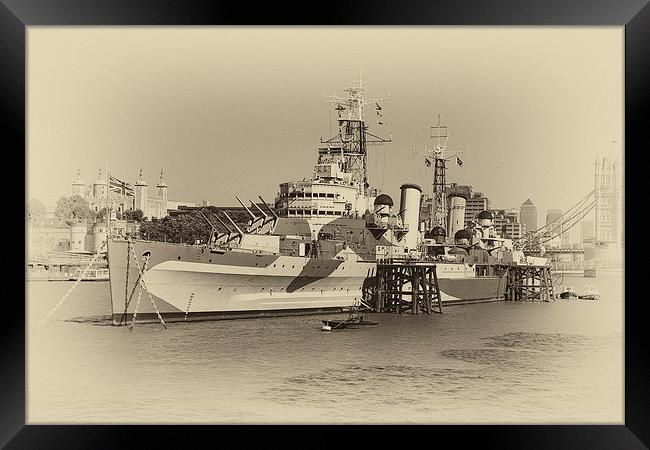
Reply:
x=83 y=274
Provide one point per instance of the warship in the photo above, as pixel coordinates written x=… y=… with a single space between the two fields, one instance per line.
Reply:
x=316 y=251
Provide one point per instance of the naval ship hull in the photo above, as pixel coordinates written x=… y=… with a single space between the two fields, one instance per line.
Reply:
x=194 y=283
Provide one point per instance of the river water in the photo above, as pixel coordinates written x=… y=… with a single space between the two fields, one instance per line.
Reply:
x=528 y=362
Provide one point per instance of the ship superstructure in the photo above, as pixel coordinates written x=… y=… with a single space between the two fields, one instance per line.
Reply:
x=317 y=253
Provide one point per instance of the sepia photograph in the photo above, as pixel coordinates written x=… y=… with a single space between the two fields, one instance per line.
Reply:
x=325 y=225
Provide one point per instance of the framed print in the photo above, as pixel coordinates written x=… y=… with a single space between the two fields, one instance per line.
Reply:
x=374 y=215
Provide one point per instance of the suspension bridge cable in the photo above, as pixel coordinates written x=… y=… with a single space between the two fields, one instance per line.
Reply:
x=554 y=222
x=585 y=212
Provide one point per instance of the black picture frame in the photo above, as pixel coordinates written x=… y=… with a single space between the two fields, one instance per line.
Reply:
x=634 y=15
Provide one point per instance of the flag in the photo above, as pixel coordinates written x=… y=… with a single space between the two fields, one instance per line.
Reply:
x=427 y=162
x=458 y=161
x=119 y=186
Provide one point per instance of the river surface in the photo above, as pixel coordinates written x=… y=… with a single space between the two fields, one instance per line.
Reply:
x=527 y=362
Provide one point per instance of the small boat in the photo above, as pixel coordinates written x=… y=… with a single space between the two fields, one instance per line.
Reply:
x=591 y=293
x=354 y=320
x=568 y=293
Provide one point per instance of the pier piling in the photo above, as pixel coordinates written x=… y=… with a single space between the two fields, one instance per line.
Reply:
x=406 y=286
x=529 y=283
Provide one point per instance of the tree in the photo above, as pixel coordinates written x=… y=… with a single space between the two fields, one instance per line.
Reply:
x=134 y=215
x=101 y=214
x=73 y=209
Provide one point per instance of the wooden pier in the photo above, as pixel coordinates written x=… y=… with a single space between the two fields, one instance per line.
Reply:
x=529 y=283
x=404 y=285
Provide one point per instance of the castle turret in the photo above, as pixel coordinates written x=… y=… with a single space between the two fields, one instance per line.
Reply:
x=161 y=189
x=141 y=194
x=78 y=233
x=99 y=186
x=78 y=186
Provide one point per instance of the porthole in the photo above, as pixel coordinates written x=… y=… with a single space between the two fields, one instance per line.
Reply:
x=210 y=261
x=219 y=289
x=179 y=258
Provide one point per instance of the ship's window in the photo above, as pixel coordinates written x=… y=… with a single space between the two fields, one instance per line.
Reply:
x=307 y=212
x=330 y=195
x=315 y=211
x=330 y=213
x=219 y=289
x=322 y=194
x=179 y=258
x=338 y=213
x=273 y=265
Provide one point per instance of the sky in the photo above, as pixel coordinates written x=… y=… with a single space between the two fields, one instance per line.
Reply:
x=228 y=111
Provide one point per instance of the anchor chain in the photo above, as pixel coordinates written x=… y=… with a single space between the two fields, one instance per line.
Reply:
x=76 y=283
x=188 y=305
x=137 y=306
x=143 y=285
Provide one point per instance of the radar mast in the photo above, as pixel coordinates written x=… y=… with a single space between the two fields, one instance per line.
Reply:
x=353 y=136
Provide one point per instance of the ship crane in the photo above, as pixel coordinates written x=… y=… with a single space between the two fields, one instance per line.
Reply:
x=440 y=158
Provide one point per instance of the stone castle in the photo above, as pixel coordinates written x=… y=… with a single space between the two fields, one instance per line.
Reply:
x=118 y=196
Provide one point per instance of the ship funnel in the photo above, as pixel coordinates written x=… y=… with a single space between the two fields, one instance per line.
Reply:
x=456 y=220
x=411 y=195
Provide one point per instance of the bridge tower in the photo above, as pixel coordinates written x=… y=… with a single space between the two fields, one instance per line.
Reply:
x=609 y=202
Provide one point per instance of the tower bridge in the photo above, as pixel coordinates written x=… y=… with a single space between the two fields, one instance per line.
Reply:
x=605 y=250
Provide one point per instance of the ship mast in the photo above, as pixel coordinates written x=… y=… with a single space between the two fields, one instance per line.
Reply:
x=353 y=136
x=439 y=177
x=439 y=132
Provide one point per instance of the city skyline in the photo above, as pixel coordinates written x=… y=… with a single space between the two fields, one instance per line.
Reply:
x=160 y=98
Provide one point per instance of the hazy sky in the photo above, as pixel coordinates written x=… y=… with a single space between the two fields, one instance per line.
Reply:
x=237 y=110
